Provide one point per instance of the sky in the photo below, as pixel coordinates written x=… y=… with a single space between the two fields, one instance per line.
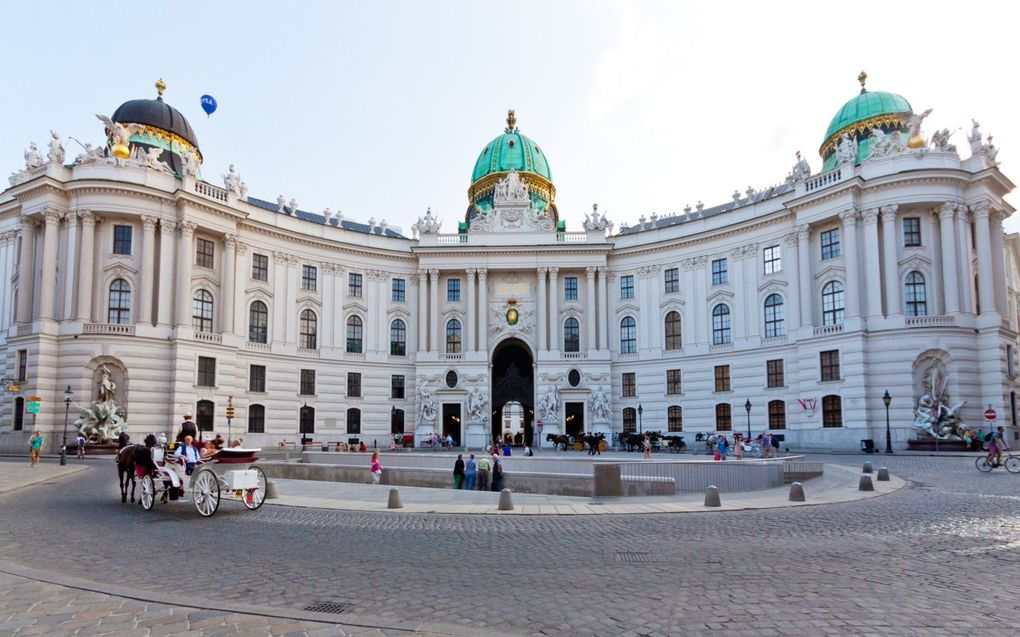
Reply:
x=380 y=109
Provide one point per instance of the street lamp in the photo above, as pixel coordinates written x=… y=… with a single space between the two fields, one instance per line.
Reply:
x=67 y=407
x=747 y=407
x=639 y=412
x=301 y=423
x=888 y=434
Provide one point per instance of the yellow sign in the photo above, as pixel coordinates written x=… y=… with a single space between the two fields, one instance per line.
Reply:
x=35 y=399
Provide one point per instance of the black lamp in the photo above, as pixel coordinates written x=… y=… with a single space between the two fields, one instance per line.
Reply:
x=67 y=406
x=639 y=412
x=886 y=399
x=747 y=408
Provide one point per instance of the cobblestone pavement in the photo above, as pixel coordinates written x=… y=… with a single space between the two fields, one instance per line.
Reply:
x=939 y=557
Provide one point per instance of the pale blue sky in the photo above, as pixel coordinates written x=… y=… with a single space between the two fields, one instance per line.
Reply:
x=380 y=109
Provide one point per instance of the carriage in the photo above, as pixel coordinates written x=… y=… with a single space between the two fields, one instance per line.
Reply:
x=226 y=474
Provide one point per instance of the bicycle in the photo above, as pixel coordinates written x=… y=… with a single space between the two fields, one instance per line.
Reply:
x=1011 y=463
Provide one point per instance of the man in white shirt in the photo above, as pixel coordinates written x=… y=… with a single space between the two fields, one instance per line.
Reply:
x=189 y=454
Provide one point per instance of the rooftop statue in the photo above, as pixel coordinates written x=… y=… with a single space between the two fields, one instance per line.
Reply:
x=33 y=158
x=189 y=164
x=150 y=159
x=281 y=203
x=940 y=141
x=427 y=225
x=846 y=151
x=801 y=170
x=91 y=155
x=232 y=180
x=511 y=189
x=56 y=154
x=915 y=139
x=976 y=146
x=120 y=134
x=596 y=221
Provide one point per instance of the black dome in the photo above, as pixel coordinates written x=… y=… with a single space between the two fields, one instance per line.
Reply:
x=155 y=113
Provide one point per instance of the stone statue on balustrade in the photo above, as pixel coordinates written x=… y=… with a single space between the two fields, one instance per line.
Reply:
x=801 y=170
x=232 y=180
x=940 y=141
x=846 y=151
x=600 y=408
x=476 y=405
x=56 y=154
x=33 y=158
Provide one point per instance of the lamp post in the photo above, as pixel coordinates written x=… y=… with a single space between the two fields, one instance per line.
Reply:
x=301 y=423
x=639 y=412
x=67 y=407
x=888 y=434
x=747 y=408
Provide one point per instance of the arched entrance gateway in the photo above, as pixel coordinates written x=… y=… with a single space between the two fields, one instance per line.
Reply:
x=513 y=384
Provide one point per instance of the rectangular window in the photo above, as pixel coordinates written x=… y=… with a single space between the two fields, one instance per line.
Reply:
x=832 y=411
x=830 y=244
x=204 y=251
x=307 y=382
x=720 y=272
x=396 y=387
x=830 y=364
x=911 y=232
x=399 y=290
x=672 y=280
x=627 y=286
x=257 y=378
x=309 y=277
x=354 y=285
x=353 y=385
x=453 y=290
x=722 y=378
x=675 y=418
x=22 y=364
x=629 y=385
x=772 y=257
x=775 y=374
x=673 y=382
x=723 y=417
x=122 y=239
x=259 y=267
x=570 y=288
x=256 y=419
x=777 y=414
x=206 y=371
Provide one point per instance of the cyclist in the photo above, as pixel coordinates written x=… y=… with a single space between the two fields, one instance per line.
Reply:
x=996 y=446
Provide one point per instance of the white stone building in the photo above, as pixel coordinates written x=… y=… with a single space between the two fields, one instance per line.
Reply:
x=808 y=300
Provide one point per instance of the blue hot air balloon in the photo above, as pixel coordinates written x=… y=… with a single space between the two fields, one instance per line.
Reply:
x=208 y=104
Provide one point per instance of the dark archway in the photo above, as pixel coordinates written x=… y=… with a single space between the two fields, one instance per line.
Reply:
x=513 y=379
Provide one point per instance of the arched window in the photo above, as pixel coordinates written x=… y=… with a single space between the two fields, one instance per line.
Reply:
x=202 y=311
x=453 y=336
x=675 y=418
x=205 y=413
x=723 y=417
x=256 y=419
x=354 y=421
x=774 y=316
x=354 y=327
x=721 y=333
x=258 y=322
x=673 y=331
x=777 y=414
x=398 y=338
x=120 y=303
x=629 y=420
x=917 y=297
x=306 y=420
x=832 y=303
x=628 y=335
x=309 y=330
x=571 y=335
x=832 y=411
x=397 y=421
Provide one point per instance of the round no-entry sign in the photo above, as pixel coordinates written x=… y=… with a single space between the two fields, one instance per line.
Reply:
x=990 y=414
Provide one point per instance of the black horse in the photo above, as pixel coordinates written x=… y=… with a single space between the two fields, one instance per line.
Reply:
x=558 y=439
x=129 y=459
x=594 y=442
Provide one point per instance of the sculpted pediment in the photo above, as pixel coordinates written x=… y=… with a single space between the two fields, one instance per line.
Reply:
x=512 y=210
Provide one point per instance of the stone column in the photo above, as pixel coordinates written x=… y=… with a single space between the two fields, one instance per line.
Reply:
x=483 y=310
x=554 y=309
x=290 y=310
x=890 y=265
x=983 y=240
x=589 y=308
x=542 y=331
x=227 y=284
x=51 y=240
x=423 y=311
x=383 y=322
x=964 y=260
x=872 y=275
x=807 y=298
x=947 y=212
x=998 y=260
x=603 y=318
x=434 y=310
x=737 y=303
x=278 y=320
x=339 y=300
x=5 y=269
x=164 y=306
x=241 y=273
x=702 y=312
x=791 y=265
x=328 y=313
x=852 y=287
x=70 y=263
x=469 y=311
x=148 y=278
x=26 y=271
x=183 y=300
x=752 y=308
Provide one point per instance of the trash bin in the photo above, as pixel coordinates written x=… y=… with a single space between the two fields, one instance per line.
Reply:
x=325 y=446
x=868 y=445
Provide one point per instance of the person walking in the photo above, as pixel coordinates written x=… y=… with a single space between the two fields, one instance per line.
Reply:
x=497 y=476
x=35 y=444
x=484 y=471
x=738 y=447
x=80 y=443
x=647 y=446
x=376 y=468
x=470 y=473
x=458 y=471
x=720 y=447
x=766 y=445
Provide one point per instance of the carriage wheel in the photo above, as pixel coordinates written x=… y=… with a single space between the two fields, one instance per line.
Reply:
x=205 y=490
x=254 y=498
x=148 y=496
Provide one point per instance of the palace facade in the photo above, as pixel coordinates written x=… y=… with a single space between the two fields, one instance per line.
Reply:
x=806 y=302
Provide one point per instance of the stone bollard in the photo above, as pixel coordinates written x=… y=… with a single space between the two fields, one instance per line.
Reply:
x=712 y=496
x=271 y=491
x=797 y=492
x=865 y=484
x=867 y=468
x=506 y=501
x=394 y=501
x=883 y=474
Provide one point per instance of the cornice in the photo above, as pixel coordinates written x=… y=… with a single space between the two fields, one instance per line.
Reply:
x=706 y=237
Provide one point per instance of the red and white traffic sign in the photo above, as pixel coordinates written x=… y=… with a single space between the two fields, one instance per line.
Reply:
x=990 y=414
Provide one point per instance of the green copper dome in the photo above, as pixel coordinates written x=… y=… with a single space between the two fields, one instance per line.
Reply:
x=870 y=109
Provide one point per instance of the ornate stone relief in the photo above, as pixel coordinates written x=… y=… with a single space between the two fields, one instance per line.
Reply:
x=512 y=211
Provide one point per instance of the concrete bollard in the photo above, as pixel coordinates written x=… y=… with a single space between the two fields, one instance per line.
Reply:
x=712 y=496
x=865 y=484
x=271 y=492
x=867 y=468
x=883 y=474
x=797 y=492
x=394 y=501
x=506 y=501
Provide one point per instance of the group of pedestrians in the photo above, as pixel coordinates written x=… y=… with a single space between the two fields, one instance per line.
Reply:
x=485 y=474
x=769 y=445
